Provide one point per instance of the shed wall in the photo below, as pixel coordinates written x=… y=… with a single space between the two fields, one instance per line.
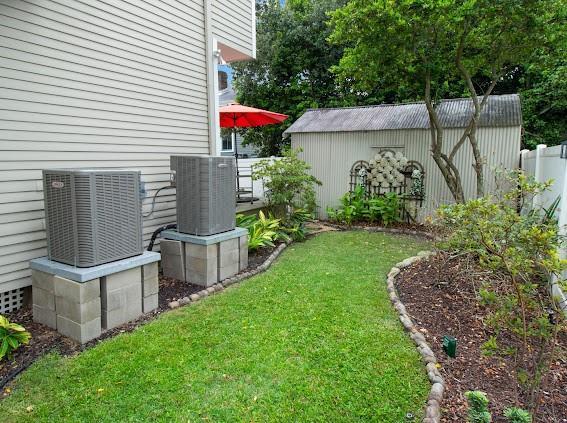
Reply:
x=105 y=84
x=332 y=154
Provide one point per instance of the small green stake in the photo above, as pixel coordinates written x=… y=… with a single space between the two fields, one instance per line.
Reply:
x=450 y=346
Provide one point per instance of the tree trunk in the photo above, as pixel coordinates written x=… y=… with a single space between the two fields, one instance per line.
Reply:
x=445 y=163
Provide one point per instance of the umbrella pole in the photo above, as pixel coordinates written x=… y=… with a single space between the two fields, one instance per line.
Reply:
x=236 y=159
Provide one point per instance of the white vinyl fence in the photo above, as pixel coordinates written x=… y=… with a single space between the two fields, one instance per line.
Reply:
x=545 y=163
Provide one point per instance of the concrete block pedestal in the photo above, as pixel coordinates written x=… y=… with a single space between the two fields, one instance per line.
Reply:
x=82 y=302
x=204 y=260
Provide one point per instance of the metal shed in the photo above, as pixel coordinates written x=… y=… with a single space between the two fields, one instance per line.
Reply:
x=334 y=139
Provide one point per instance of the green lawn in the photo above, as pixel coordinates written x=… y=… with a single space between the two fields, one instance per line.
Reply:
x=313 y=339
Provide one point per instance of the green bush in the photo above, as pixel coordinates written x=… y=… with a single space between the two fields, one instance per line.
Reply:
x=12 y=336
x=356 y=207
x=517 y=415
x=289 y=186
x=520 y=247
x=478 y=407
x=262 y=231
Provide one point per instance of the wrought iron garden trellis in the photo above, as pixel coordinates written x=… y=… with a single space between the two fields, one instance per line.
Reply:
x=411 y=195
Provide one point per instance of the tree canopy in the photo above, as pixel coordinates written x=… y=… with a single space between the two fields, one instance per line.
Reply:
x=292 y=71
x=433 y=49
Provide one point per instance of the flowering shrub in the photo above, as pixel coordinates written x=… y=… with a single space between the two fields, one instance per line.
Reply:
x=520 y=247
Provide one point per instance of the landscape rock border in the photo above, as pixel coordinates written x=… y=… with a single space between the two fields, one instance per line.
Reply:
x=220 y=286
x=433 y=408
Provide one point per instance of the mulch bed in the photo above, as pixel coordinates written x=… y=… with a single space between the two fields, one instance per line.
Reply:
x=45 y=339
x=439 y=294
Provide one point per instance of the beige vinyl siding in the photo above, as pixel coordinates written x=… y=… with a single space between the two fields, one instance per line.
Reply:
x=106 y=84
x=332 y=154
x=233 y=23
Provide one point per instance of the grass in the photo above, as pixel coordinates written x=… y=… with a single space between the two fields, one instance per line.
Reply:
x=313 y=339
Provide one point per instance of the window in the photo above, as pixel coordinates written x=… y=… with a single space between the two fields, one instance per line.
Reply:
x=223 y=80
x=226 y=136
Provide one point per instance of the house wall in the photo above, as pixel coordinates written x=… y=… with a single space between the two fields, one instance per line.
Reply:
x=97 y=84
x=332 y=154
x=234 y=24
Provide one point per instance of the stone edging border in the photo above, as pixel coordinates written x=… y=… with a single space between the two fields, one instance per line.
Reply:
x=433 y=408
x=402 y=231
x=230 y=281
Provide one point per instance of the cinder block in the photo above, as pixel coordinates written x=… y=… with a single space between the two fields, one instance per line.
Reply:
x=173 y=267
x=228 y=245
x=150 y=303
x=205 y=280
x=121 y=305
x=243 y=241
x=199 y=265
x=121 y=279
x=228 y=271
x=201 y=251
x=173 y=259
x=77 y=292
x=169 y=247
x=112 y=300
x=44 y=316
x=81 y=332
x=229 y=258
x=149 y=271
x=43 y=298
x=243 y=258
x=150 y=286
x=78 y=312
x=43 y=280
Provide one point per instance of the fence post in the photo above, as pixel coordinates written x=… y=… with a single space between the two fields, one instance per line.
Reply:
x=538 y=172
x=562 y=222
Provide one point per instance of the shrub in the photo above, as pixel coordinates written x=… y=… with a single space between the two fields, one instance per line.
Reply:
x=288 y=182
x=262 y=231
x=356 y=207
x=12 y=336
x=517 y=415
x=478 y=407
x=520 y=246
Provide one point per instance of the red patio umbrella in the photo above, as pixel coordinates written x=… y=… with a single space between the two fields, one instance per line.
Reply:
x=238 y=116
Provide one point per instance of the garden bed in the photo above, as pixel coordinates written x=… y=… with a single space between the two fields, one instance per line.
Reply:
x=439 y=295
x=45 y=339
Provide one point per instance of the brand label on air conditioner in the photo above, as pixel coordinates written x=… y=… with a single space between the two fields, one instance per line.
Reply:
x=57 y=184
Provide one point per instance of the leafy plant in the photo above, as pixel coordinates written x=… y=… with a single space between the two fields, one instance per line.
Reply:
x=356 y=206
x=520 y=246
x=288 y=182
x=263 y=230
x=478 y=407
x=12 y=336
x=517 y=415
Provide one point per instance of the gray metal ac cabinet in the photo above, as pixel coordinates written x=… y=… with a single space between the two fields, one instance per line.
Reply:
x=92 y=216
x=206 y=194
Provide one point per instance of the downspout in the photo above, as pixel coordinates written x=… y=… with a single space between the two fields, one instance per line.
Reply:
x=212 y=57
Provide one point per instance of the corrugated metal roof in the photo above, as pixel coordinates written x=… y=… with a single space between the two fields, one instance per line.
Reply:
x=500 y=110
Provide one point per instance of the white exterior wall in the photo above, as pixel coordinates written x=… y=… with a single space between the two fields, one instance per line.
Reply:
x=104 y=84
x=234 y=24
x=332 y=154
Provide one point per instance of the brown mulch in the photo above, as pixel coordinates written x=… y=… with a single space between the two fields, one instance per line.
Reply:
x=45 y=339
x=439 y=294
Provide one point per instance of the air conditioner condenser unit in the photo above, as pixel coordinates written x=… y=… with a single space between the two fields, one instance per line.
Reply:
x=92 y=216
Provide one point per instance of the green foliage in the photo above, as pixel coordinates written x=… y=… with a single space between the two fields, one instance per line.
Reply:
x=12 y=336
x=478 y=407
x=288 y=182
x=520 y=246
x=263 y=230
x=291 y=72
x=517 y=415
x=356 y=207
